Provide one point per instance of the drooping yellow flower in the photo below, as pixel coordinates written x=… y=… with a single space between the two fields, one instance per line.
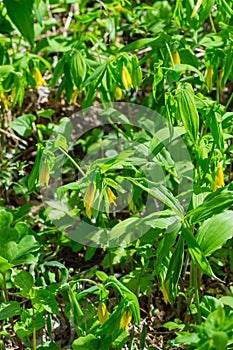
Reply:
x=219 y=180
x=38 y=78
x=102 y=312
x=126 y=78
x=196 y=8
x=5 y=101
x=118 y=93
x=44 y=175
x=111 y=196
x=125 y=319
x=89 y=198
x=209 y=78
x=176 y=57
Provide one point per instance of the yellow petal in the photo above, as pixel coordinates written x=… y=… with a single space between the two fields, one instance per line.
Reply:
x=126 y=78
x=5 y=101
x=219 y=180
x=111 y=196
x=119 y=7
x=176 y=57
x=118 y=94
x=209 y=78
x=125 y=319
x=74 y=95
x=102 y=312
x=44 y=175
x=38 y=78
x=89 y=198
x=196 y=8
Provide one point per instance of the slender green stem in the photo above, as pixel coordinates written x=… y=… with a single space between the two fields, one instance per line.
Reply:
x=212 y=23
x=5 y=288
x=34 y=330
x=229 y=101
x=87 y=280
x=110 y=259
x=170 y=54
x=116 y=127
x=73 y=161
x=196 y=290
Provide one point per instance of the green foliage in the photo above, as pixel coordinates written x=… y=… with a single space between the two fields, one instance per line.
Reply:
x=94 y=231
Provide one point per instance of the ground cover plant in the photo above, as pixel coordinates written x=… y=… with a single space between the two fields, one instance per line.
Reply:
x=116 y=174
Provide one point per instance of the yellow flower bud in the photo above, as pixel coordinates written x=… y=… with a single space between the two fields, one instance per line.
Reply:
x=102 y=312
x=44 y=175
x=126 y=78
x=125 y=319
x=209 y=78
x=219 y=180
x=176 y=57
x=89 y=199
x=38 y=78
x=118 y=93
x=196 y=8
x=111 y=196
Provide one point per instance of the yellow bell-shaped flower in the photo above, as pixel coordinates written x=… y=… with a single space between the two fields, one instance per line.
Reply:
x=38 y=78
x=102 y=312
x=44 y=175
x=125 y=319
x=126 y=78
x=176 y=57
x=89 y=199
x=219 y=180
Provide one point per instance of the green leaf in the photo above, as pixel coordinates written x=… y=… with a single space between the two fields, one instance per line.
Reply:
x=6 y=218
x=34 y=175
x=15 y=252
x=186 y=110
x=220 y=340
x=20 y=12
x=8 y=310
x=78 y=68
x=215 y=232
x=227 y=300
x=96 y=75
x=5 y=70
x=182 y=68
x=160 y=192
x=47 y=300
x=47 y=113
x=61 y=142
x=214 y=203
x=48 y=346
x=175 y=268
x=138 y=44
x=164 y=248
x=23 y=125
x=23 y=280
x=196 y=253
x=215 y=128
x=4 y=265
x=89 y=342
